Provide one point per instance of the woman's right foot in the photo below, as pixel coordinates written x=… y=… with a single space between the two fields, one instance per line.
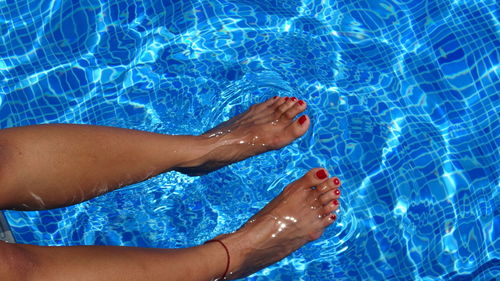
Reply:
x=295 y=217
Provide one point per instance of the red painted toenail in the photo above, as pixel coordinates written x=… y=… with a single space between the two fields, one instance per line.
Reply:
x=337 y=192
x=301 y=102
x=336 y=181
x=275 y=97
x=333 y=217
x=294 y=99
x=302 y=119
x=321 y=174
x=335 y=202
x=286 y=98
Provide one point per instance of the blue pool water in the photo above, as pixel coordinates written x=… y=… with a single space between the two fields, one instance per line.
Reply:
x=403 y=96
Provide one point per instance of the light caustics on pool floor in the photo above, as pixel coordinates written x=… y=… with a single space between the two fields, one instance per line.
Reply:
x=403 y=96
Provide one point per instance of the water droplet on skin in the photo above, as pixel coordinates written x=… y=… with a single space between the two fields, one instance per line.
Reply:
x=38 y=199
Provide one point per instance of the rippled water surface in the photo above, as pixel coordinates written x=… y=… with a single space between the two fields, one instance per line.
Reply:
x=403 y=96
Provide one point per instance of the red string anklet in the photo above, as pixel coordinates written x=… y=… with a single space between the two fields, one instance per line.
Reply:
x=228 y=257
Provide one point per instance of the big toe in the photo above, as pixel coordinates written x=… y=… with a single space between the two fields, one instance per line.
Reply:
x=298 y=127
x=313 y=178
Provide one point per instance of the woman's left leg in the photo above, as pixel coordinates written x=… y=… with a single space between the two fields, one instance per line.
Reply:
x=50 y=166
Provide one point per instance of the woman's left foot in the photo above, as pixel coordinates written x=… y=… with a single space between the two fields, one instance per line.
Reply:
x=265 y=126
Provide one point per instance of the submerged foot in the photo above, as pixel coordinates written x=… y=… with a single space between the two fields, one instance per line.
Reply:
x=297 y=216
x=265 y=126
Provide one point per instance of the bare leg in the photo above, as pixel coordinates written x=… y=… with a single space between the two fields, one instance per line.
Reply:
x=49 y=166
x=298 y=215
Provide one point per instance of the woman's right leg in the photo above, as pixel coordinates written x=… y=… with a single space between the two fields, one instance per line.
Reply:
x=298 y=215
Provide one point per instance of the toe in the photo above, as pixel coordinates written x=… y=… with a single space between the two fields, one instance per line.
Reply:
x=329 y=219
x=279 y=102
x=331 y=206
x=295 y=109
x=266 y=104
x=329 y=212
x=330 y=195
x=326 y=186
x=271 y=101
x=286 y=105
x=298 y=127
x=313 y=178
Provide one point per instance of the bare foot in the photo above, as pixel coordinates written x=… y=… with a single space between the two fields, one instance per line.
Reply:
x=297 y=216
x=265 y=126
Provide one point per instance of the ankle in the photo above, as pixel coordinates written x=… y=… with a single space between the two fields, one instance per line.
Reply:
x=237 y=245
x=198 y=152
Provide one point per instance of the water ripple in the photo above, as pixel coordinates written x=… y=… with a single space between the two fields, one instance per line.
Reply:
x=403 y=98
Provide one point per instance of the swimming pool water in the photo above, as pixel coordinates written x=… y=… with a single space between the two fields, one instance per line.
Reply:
x=403 y=96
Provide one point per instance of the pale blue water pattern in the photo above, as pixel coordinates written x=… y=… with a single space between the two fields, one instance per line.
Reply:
x=403 y=96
